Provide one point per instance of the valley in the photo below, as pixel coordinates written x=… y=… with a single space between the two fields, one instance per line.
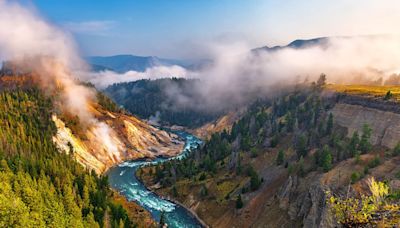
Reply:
x=181 y=114
x=284 y=190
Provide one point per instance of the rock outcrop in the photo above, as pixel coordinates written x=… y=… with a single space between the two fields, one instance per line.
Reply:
x=134 y=138
x=385 y=124
x=306 y=203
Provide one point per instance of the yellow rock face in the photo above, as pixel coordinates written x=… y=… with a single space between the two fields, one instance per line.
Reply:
x=115 y=138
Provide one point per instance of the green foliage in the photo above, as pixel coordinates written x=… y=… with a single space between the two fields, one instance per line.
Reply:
x=376 y=209
x=358 y=157
x=107 y=103
x=300 y=167
x=147 y=98
x=203 y=191
x=296 y=121
x=329 y=124
x=255 y=180
x=41 y=187
x=253 y=152
x=396 y=150
x=353 y=144
x=355 y=176
x=388 y=95
x=374 y=162
x=290 y=168
x=174 y=191
x=280 y=158
x=365 y=145
x=239 y=202
x=301 y=146
x=326 y=159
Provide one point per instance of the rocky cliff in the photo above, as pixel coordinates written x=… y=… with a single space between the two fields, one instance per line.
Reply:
x=135 y=139
x=382 y=117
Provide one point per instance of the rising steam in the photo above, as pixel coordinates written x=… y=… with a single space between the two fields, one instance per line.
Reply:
x=34 y=45
x=238 y=74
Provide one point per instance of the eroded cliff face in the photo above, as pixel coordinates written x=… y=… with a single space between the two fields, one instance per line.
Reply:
x=131 y=139
x=224 y=122
x=385 y=124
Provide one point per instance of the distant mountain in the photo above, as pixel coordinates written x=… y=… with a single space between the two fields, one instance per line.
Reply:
x=124 y=63
x=297 y=44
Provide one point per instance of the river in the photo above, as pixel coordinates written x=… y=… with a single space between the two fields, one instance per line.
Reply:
x=122 y=178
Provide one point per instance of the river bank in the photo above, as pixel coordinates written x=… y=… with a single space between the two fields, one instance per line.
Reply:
x=122 y=178
x=193 y=213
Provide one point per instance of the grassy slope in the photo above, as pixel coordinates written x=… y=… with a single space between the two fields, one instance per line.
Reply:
x=366 y=90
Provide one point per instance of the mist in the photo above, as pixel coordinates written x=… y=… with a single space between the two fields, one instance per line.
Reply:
x=105 y=78
x=238 y=74
x=50 y=55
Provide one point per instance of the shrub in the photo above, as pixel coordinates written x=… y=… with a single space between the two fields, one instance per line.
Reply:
x=374 y=162
x=355 y=176
x=239 y=202
x=202 y=176
x=253 y=152
x=388 y=95
x=280 y=157
x=396 y=150
x=367 y=211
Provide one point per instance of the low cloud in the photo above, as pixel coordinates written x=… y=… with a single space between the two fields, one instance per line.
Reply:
x=105 y=78
x=238 y=75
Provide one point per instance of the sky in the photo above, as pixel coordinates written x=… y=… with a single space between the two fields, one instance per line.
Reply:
x=179 y=28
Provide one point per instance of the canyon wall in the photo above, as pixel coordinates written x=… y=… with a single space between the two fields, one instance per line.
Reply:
x=385 y=121
x=137 y=138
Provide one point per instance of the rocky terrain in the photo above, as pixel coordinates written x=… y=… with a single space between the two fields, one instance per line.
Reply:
x=135 y=138
x=286 y=199
x=224 y=122
x=353 y=112
x=131 y=138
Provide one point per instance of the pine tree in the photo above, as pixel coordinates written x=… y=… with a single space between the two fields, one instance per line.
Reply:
x=329 y=124
x=353 y=144
x=281 y=157
x=326 y=159
x=239 y=202
x=301 y=146
x=301 y=169
x=365 y=145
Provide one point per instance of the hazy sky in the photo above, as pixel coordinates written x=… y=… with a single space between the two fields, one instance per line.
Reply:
x=175 y=28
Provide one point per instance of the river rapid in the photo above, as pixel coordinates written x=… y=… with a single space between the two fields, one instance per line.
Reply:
x=122 y=178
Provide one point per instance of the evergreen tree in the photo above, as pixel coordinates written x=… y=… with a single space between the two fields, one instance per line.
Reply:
x=365 y=145
x=326 y=159
x=239 y=202
x=329 y=124
x=174 y=191
x=301 y=169
x=301 y=146
x=281 y=157
x=353 y=144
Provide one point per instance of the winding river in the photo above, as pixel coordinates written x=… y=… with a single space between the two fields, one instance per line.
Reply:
x=123 y=179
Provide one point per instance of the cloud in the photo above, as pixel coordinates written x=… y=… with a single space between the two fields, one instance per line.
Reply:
x=36 y=46
x=105 y=78
x=237 y=75
x=97 y=27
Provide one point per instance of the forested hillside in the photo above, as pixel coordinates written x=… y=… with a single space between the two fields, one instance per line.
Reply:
x=41 y=187
x=162 y=100
x=293 y=136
